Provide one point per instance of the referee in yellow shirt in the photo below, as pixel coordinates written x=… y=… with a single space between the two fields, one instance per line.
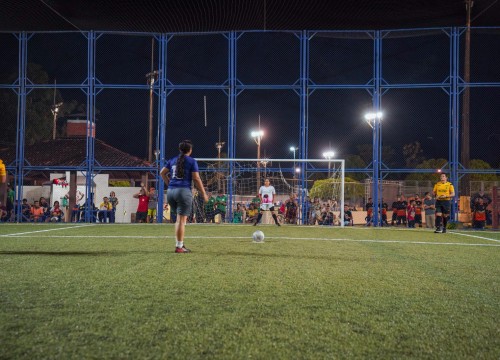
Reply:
x=444 y=193
x=3 y=183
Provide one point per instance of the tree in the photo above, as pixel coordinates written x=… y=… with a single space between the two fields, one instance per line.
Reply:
x=480 y=164
x=366 y=153
x=39 y=117
x=355 y=162
x=428 y=164
x=412 y=154
x=326 y=188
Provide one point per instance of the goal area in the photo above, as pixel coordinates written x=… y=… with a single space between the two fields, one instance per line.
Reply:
x=300 y=180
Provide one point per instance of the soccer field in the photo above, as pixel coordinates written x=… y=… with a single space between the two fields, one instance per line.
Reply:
x=119 y=291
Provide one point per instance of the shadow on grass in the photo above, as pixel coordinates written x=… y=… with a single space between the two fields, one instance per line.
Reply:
x=285 y=256
x=65 y=253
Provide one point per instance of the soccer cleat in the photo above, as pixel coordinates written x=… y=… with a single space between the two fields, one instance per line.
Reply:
x=444 y=230
x=438 y=231
x=278 y=224
x=182 y=250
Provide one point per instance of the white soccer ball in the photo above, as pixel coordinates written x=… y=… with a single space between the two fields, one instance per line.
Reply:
x=258 y=236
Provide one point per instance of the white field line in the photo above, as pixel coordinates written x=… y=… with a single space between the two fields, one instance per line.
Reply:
x=39 y=231
x=269 y=237
x=475 y=236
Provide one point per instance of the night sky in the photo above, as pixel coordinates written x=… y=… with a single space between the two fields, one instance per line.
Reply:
x=335 y=116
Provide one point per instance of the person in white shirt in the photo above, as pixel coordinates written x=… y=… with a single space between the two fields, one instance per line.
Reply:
x=266 y=195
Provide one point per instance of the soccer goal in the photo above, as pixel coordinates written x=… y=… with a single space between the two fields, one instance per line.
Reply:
x=294 y=180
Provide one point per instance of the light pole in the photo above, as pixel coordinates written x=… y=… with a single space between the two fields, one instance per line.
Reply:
x=293 y=149
x=55 y=111
x=329 y=155
x=374 y=120
x=218 y=145
x=257 y=136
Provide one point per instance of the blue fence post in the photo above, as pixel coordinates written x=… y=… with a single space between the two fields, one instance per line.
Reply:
x=377 y=141
x=304 y=109
x=162 y=122
x=454 y=138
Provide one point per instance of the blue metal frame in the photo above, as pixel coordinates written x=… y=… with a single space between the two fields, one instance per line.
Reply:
x=453 y=85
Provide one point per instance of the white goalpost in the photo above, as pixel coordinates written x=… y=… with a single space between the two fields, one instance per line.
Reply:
x=240 y=179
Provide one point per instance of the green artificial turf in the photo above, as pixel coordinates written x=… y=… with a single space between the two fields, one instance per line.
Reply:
x=119 y=291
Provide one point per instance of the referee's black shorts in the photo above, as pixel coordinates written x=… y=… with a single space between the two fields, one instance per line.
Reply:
x=443 y=206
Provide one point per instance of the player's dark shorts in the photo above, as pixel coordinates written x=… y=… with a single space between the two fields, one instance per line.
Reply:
x=180 y=200
x=140 y=216
x=443 y=206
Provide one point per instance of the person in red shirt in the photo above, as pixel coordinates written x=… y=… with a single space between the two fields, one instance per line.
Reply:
x=479 y=214
x=142 y=208
x=56 y=212
x=418 y=210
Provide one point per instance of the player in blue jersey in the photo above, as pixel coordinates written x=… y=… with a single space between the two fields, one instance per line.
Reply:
x=178 y=174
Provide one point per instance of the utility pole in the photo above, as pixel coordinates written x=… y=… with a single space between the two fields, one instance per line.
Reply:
x=151 y=78
x=465 y=140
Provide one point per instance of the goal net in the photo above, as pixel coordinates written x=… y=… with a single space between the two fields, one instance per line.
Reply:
x=297 y=182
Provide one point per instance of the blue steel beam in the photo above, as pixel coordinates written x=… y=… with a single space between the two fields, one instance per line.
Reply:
x=162 y=121
x=90 y=143
x=231 y=141
x=454 y=135
x=304 y=118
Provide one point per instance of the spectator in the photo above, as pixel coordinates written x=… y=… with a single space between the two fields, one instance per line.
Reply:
x=142 y=208
x=238 y=214
x=220 y=205
x=105 y=208
x=152 y=205
x=75 y=213
x=37 y=212
x=256 y=202
x=11 y=194
x=44 y=204
x=429 y=209
x=114 y=203
x=401 y=212
x=479 y=195
x=307 y=210
x=395 y=206
x=383 y=210
x=348 y=220
x=252 y=213
x=369 y=212
x=56 y=212
x=25 y=211
x=479 y=214
x=328 y=217
x=418 y=211
x=411 y=211
x=291 y=207
x=3 y=213
x=315 y=212
x=210 y=208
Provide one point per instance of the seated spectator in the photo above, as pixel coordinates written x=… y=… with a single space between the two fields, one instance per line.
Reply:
x=3 y=213
x=25 y=211
x=105 y=208
x=114 y=203
x=56 y=212
x=37 y=212
x=315 y=212
x=44 y=204
x=328 y=217
x=238 y=214
x=348 y=219
x=252 y=213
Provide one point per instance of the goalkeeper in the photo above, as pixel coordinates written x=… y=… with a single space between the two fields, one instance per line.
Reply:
x=266 y=195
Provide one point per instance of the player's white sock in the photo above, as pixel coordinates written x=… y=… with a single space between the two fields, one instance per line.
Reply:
x=179 y=244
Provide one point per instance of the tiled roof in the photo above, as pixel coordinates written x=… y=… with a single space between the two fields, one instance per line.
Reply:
x=71 y=152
